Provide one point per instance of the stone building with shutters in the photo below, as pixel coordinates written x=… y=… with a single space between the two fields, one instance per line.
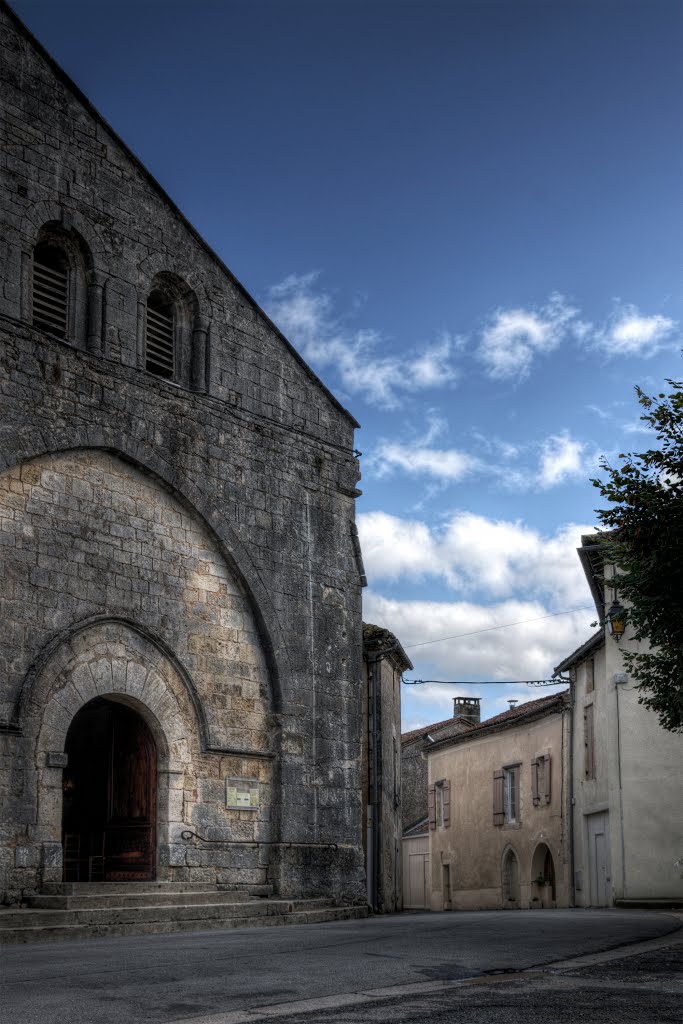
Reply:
x=180 y=645
x=414 y=746
x=498 y=811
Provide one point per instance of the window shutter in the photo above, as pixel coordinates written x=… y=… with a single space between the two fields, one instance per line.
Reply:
x=160 y=338
x=50 y=290
x=534 y=782
x=498 y=813
x=446 y=804
x=588 y=741
x=548 y=789
x=431 y=805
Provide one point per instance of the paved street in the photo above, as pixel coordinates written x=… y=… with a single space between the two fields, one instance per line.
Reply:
x=223 y=977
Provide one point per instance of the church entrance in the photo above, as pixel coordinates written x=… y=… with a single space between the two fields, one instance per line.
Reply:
x=109 y=801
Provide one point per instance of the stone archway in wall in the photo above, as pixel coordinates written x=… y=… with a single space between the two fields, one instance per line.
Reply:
x=109 y=802
x=543 y=882
x=510 y=879
x=114 y=683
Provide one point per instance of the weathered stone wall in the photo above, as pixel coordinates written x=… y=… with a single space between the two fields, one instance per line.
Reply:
x=414 y=769
x=214 y=510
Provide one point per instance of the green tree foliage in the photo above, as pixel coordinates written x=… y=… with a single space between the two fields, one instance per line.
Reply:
x=644 y=540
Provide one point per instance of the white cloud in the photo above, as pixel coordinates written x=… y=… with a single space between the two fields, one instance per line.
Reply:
x=628 y=332
x=445 y=464
x=514 y=337
x=558 y=459
x=529 y=650
x=496 y=558
x=306 y=316
x=562 y=458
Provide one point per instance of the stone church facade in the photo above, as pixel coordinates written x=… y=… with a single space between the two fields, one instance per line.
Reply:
x=180 y=641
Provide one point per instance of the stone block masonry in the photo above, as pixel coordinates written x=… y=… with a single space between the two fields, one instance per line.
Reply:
x=181 y=545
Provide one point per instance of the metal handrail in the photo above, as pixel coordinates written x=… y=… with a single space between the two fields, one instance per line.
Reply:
x=188 y=834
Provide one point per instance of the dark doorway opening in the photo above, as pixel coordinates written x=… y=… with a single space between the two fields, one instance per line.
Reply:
x=109 y=805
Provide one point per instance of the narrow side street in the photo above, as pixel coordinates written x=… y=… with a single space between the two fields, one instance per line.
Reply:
x=396 y=968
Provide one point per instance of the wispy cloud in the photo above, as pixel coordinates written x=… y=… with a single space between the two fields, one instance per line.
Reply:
x=541 y=465
x=507 y=347
x=564 y=458
x=305 y=313
x=446 y=464
x=628 y=332
x=514 y=337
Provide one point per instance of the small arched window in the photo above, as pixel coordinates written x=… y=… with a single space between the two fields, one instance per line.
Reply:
x=62 y=285
x=160 y=333
x=51 y=289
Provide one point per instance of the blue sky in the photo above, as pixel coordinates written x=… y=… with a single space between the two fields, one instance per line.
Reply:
x=467 y=217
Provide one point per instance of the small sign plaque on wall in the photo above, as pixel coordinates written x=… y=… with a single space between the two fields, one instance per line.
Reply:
x=242 y=794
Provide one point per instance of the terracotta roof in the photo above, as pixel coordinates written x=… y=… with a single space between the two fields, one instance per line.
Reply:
x=419 y=829
x=408 y=737
x=528 y=709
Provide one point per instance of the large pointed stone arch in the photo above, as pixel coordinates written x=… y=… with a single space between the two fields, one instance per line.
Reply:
x=29 y=444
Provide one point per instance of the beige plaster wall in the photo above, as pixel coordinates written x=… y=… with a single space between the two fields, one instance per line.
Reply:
x=471 y=847
x=639 y=768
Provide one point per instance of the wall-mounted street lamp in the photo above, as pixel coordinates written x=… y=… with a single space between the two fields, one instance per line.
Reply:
x=616 y=620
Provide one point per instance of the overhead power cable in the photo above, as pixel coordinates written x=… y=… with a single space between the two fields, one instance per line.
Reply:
x=489 y=682
x=505 y=625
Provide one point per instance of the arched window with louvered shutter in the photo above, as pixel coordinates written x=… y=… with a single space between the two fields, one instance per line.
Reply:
x=173 y=332
x=51 y=273
x=60 y=303
x=160 y=336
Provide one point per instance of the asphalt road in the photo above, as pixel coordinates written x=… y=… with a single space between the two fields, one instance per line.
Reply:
x=221 y=974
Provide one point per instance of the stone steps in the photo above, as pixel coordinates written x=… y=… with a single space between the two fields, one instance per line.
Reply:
x=107 y=888
x=159 y=927
x=87 y=914
x=98 y=901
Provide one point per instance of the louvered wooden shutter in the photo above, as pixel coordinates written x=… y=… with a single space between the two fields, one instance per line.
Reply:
x=160 y=339
x=548 y=790
x=446 y=797
x=431 y=807
x=534 y=782
x=50 y=291
x=498 y=812
x=588 y=742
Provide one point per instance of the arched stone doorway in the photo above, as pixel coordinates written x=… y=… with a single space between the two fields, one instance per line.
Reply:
x=510 y=870
x=109 y=795
x=543 y=876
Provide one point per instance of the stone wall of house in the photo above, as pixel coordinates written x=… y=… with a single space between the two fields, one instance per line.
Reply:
x=480 y=861
x=414 y=769
x=209 y=515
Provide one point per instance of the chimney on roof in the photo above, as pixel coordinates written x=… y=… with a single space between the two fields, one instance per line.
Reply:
x=468 y=708
x=513 y=702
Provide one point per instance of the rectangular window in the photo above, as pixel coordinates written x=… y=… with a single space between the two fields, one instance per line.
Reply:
x=590 y=675
x=440 y=805
x=589 y=742
x=511 y=808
